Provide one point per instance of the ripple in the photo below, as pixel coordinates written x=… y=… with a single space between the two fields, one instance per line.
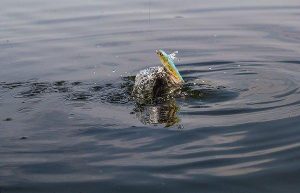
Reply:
x=264 y=89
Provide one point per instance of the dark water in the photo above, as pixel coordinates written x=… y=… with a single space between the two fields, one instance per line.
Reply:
x=68 y=123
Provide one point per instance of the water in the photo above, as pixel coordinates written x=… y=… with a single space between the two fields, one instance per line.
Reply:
x=68 y=124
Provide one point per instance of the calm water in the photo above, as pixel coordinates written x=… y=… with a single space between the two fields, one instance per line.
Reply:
x=67 y=122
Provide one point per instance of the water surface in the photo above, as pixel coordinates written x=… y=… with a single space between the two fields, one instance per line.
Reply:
x=68 y=123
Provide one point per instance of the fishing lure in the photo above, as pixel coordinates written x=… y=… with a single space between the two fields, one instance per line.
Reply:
x=168 y=63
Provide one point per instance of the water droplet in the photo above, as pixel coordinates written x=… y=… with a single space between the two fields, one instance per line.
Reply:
x=209 y=68
x=180 y=127
x=114 y=71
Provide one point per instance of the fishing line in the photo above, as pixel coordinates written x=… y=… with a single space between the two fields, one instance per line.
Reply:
x=149 y=13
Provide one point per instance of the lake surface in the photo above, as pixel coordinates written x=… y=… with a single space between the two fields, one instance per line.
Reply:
x=68 y=124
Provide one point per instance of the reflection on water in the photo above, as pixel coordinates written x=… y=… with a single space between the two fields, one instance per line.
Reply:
x=165 y=113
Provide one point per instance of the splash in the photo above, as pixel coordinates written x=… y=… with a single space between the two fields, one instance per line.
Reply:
x=173 y=56
x=163 y=111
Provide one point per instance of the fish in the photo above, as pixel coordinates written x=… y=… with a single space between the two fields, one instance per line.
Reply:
x=158 y=82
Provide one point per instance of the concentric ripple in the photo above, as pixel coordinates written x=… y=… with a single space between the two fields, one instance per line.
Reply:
x=266 y=91
x=221 y=91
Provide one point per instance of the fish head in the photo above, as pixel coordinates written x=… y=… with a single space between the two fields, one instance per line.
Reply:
x=170 y=67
